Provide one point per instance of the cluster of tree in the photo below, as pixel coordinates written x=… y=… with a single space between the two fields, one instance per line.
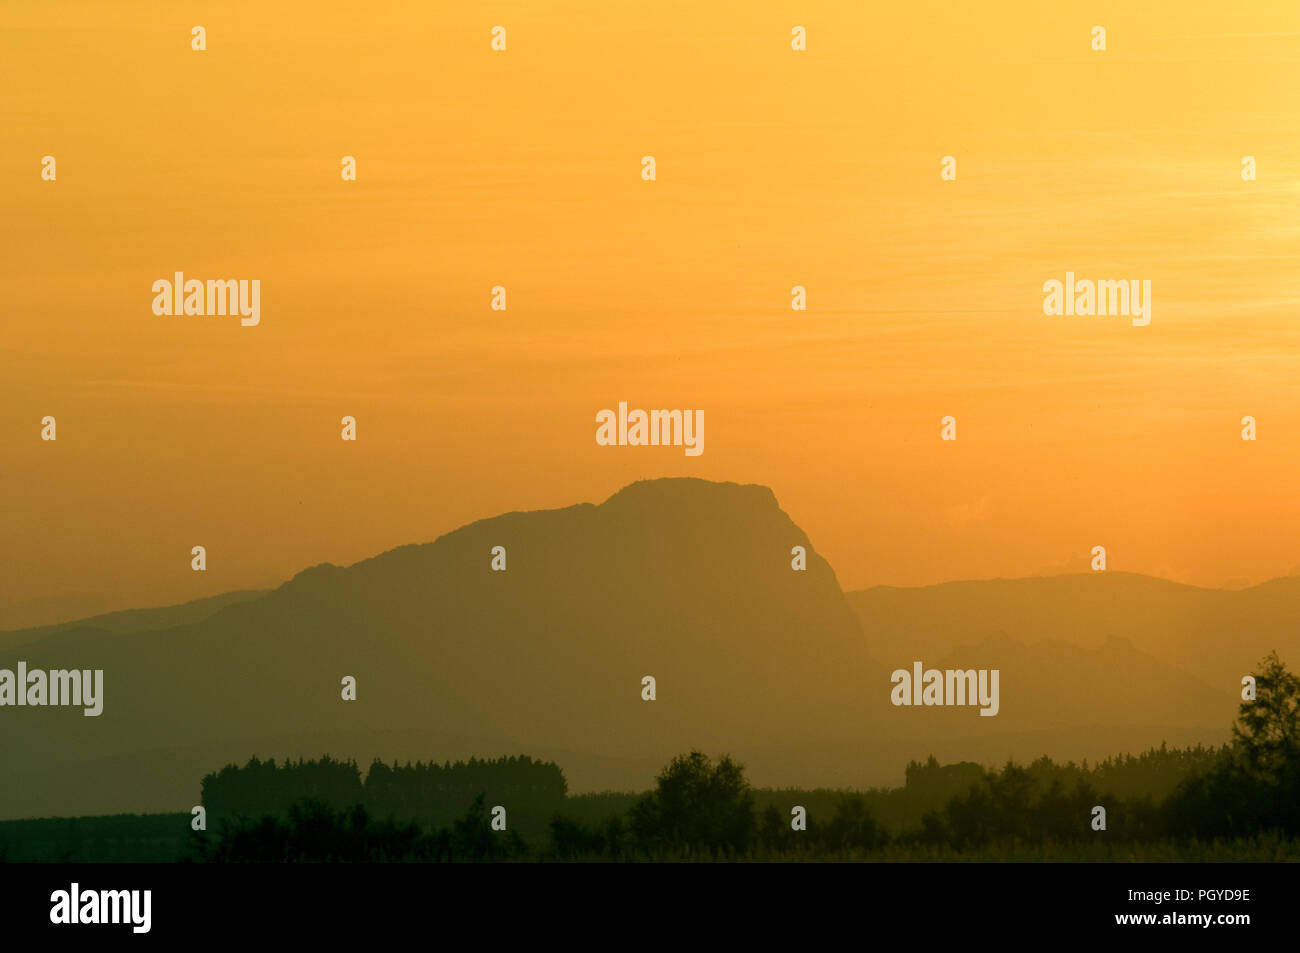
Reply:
x=1255 y=786
x=702 y=808
x=1247 y=788
x=427 y=791
x=1155 y=774
x=1010 y=805
x=314 y=832
x=264 y=787
x=930 y=786
x=430 y=794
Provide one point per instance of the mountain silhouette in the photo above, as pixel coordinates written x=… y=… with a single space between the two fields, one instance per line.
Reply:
x=684 y=580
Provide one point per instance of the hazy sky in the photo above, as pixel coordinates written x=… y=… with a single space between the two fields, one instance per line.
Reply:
x=522 y=168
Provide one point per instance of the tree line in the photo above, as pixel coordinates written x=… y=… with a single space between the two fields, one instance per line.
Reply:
x=706 y=809
x=429 y=793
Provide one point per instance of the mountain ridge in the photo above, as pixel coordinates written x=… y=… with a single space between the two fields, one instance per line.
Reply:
x=687 y=580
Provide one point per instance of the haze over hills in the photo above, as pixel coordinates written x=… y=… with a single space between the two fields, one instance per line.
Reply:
x=48 y=610
x=134 y=620
x=1214 y=636
x=686 y=580
x=1107 y=662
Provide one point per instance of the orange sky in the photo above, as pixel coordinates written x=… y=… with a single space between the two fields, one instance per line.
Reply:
x=522 y=168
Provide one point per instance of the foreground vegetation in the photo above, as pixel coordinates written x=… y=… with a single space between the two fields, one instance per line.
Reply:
x=1240 y=802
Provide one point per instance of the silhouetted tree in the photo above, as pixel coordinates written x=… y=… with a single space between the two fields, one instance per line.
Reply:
x=852 y=827
x=773 y=829
x=697 y=805
x=472 y=837
x=1256 y=785
x=569 y=839
x=1268 y=728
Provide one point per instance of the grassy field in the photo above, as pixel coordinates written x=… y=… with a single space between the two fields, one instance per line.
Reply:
x=166 y=838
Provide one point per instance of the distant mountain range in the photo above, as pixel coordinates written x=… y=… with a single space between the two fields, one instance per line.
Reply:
x=1123 y=653
x=685 y=580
